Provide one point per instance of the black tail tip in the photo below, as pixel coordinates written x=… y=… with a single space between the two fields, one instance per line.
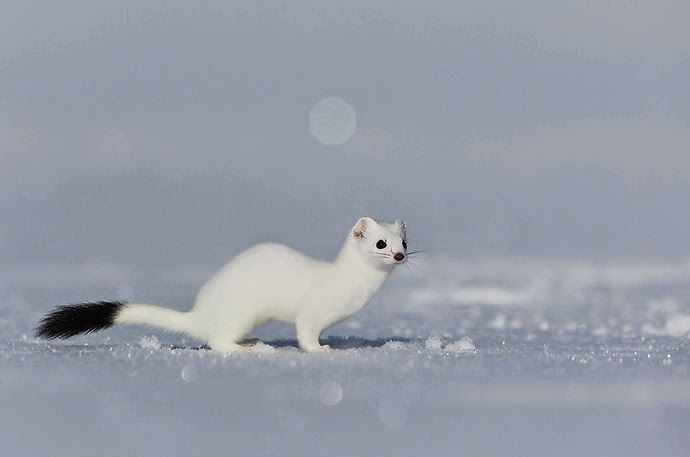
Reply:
x=80 y=318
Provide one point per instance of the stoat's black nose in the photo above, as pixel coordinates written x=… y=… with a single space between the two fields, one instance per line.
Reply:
x=399 y=256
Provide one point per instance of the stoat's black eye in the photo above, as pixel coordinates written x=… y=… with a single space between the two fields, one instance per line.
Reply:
x=381 y=244
x=404 y=244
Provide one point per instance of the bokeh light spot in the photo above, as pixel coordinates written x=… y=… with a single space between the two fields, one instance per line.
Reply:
x=331 y=393
x=190 y=373
x=332 y=121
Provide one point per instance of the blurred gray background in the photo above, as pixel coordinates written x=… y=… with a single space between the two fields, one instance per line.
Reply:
x=540 y=149
x=171 y=135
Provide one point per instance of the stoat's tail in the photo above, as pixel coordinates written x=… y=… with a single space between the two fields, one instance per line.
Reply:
x=70 y=320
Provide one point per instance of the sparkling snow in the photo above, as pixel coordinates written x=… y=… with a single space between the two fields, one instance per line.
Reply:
x=591 y=367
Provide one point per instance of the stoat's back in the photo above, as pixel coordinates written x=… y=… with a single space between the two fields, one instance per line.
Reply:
x=265 y=274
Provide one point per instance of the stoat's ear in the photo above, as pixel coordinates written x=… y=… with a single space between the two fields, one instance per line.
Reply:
x=361 y=227
x=401 y=223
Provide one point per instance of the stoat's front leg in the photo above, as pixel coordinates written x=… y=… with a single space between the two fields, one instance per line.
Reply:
x=308 y=333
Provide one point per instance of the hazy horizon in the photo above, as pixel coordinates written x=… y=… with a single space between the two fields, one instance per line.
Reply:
x=170 y=134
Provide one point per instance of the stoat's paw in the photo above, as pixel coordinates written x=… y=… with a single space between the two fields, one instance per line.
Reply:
x=316 y=348
x=251 y=342
x=230 y=348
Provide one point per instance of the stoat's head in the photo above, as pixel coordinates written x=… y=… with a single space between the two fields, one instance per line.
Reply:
x=380 y=243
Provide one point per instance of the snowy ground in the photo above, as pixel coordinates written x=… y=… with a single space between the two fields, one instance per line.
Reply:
x=503 y=357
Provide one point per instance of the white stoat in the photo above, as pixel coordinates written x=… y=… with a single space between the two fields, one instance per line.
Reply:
x=265 y=282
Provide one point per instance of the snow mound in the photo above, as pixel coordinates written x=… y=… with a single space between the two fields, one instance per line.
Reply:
x=263 y=348
x=677 y=325
x=464 y=345
x=150 y=342
x=394 y=346
x=461 y=346
x=434 y=343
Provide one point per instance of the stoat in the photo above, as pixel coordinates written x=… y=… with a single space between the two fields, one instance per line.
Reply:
x=266 y=282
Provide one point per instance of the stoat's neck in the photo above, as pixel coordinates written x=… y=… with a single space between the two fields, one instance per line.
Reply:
x=358 y=276
x=350 y=259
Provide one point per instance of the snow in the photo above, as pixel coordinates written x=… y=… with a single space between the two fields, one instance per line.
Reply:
x=391 y=412
x=677 y=325
x=263 y=348
x=394 y=346
x=150 y=342
x=331 y=393
x=461 y=346
x=600 y=372
x=190 y=373
x=434 y=343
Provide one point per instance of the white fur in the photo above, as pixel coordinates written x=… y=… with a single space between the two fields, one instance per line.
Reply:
x=274 y=282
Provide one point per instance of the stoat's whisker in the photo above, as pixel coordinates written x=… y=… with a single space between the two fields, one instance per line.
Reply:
x=413 y=265
x=412 y=270
x=416 y=254
x=421 y=259
x=419 y=250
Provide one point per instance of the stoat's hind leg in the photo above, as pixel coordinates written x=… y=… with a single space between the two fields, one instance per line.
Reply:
x=251 y=342
x=230 y=339
x=227 y=346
